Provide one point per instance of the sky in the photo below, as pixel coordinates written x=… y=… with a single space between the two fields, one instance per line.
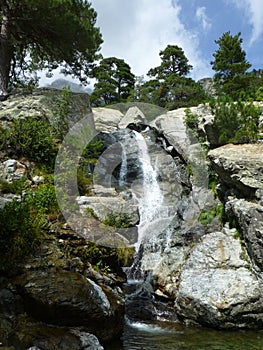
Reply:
x=136 y=30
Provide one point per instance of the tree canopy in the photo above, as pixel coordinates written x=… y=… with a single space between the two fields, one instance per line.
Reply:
x=114 y=81
x=230 y=64
x=174 y=61
x=38 y=34
x=170 y=88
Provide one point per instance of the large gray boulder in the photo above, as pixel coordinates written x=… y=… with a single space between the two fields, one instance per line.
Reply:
x=43 y=104
x=133 y=116
x=218 y=287
x=106 y=119
x=240 y=167
x=66 y=298
x=104 y=206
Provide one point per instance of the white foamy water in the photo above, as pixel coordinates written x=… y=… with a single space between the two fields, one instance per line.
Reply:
x=151 y=200
x=123 y=169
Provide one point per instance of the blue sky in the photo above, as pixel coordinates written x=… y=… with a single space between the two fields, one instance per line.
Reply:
x=136 y=30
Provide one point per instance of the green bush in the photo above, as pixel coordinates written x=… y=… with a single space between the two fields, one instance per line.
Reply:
x=21 y=230
x=117 y=220
x=235 y=122
x=191 y=119
x=43 y=199
x=207 y=216
x=259 y=94
x=23 y=224
x=30 y=138
x=16 y=187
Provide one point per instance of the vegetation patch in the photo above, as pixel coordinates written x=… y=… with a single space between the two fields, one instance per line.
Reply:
x=207 y=216
x=235 y=121
x=30 y=138
x=21 y=231
x=117 y=220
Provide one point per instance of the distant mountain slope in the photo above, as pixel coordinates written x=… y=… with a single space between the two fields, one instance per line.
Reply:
x=61 y=83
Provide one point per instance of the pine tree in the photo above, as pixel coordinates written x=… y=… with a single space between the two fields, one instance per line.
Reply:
x=170 y=88
x=115 y=81
x=37 y=34
x=230 y=65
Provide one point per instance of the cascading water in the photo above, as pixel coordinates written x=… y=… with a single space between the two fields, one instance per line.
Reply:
x=151 y=199
x=152 y=206
x=123 y=168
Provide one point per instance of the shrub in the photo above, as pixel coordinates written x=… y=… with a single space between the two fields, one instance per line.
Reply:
x=16 y=187
x=32 y=138
x=43 y=199
x=21 y=230
x=207 y=216
x=60 y=124
x=23 y=223
x=117 y=220
x=191 y=119
x=236 y=122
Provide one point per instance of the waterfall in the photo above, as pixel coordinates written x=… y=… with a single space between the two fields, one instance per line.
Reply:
x=123 y=168
x=152 y=210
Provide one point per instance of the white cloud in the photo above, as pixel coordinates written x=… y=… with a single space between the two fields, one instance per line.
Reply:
x=253 y=9
x=202 y=17
x=137 y=30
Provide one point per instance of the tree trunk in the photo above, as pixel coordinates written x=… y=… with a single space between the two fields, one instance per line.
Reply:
x=5 y=52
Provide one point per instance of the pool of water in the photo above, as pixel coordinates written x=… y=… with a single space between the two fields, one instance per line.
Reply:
x=142 y=336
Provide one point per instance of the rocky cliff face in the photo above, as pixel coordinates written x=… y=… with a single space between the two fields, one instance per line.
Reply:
x=212 y=271
x=151 y=189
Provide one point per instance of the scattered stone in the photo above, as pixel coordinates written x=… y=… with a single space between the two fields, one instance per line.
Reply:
x=11 y=170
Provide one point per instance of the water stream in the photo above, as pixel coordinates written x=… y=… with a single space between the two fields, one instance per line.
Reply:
x=138 y=336
x=123 y=169
x=148 y=334
x=151 y=199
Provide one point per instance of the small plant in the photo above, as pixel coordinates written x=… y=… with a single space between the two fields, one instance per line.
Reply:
x=237 y=235
x=43 y=198
x=16 y=187
x=117 y=220
x=125 y=255
x=207 y=216
x=92 y=213
x=87 y=164
x=191 y=119
x=60 y=124
x=30 y=138
x=85 y=181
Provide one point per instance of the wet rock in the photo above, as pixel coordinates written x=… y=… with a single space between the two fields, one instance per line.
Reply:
x=143 y=305
x=32 y=335
x=67 y=298
x=218 y=287
x=10 y=306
